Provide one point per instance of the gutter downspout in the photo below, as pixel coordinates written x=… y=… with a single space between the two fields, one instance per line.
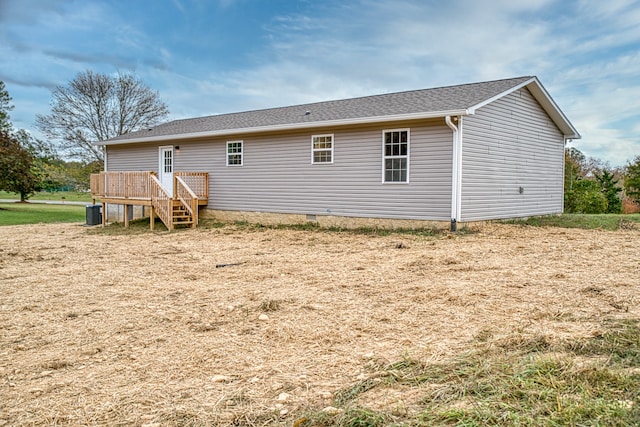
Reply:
x=456 y=171
x=104 y=205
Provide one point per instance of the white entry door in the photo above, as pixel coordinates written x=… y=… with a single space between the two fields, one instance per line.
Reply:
x=166 y=168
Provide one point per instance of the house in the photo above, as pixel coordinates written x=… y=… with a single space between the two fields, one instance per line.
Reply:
x=463 y=153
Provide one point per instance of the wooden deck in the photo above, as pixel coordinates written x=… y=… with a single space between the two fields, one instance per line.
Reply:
x=142 y=188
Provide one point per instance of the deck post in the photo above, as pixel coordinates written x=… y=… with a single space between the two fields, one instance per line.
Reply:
x=126 y=216
x=104 y=214
x=152 y=218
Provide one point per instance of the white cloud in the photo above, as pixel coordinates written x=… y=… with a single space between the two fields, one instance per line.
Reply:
x=26 y=11
x=358 y=49
x=409 y=44
x=178 y=4
x=584 y=51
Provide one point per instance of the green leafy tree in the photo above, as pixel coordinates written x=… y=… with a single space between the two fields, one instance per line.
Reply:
x=20 y=154
x=590 y=185
x=5 y=107
x=80 y=173
x=585 y=197
x=53 y=176
x=73 y=175
x=610 y=189
x=574 y=167
x=632 y=180
x=94 y=107
x=47 y=165
x=580 y=193
x=16 y=167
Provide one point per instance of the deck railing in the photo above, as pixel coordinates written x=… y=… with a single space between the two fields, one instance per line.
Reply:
x=137 y=185
x=122 y=185
x=197 y=181
x=161 y=201
x=97 y=184
x=188 y=198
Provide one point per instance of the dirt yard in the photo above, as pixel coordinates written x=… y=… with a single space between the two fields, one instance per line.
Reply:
x=149 y=329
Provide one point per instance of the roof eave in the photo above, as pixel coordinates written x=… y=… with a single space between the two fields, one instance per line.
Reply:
x=288 y=126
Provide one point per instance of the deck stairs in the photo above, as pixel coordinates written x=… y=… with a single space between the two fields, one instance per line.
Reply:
x=180 y=215
x=178 y=207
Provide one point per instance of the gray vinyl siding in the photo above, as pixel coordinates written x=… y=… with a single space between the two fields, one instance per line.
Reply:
x=508 y=144
x=277 y=174
x=134 y=157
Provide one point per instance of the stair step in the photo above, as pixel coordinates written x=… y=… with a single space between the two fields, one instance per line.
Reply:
x=180 y=216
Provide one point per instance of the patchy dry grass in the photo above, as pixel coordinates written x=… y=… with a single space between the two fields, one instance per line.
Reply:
x=588 y=381
x=508 y=325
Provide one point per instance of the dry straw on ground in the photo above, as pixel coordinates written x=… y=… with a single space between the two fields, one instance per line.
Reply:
x=143 y=329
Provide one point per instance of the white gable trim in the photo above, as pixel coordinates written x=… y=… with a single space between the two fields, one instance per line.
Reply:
x=548 y=104
x=552 y=109
x=500 y=95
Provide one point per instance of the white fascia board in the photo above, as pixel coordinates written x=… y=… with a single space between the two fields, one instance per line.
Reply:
x=288 y=126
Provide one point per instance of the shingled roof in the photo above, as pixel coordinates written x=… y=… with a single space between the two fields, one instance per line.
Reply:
x=415 y=104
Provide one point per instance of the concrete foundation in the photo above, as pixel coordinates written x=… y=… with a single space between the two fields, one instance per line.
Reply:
x=327 y=221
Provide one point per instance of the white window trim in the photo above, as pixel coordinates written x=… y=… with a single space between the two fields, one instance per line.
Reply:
x=408 y=156
x=226 y=153
x=314 y=150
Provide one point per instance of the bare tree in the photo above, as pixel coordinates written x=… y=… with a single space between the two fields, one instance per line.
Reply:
x=95 y=107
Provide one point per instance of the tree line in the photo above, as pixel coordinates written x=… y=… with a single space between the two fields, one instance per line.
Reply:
x=92 y=107
x=95 y=107
x=592 y=186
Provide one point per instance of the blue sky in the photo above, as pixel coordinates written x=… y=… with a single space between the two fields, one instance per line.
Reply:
x=219 y=56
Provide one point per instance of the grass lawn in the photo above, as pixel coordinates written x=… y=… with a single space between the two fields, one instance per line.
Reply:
x=69 y=196
x=26 y=213
x=592 y=221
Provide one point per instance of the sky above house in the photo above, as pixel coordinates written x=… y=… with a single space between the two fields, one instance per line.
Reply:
x=219 y=56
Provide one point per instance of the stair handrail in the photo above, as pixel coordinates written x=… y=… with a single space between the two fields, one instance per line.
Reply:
x=161 y=201
x=187 y=198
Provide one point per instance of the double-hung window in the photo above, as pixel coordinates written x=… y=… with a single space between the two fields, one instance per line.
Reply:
x=322 y=149
x=395 y=162
x=234 y=153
